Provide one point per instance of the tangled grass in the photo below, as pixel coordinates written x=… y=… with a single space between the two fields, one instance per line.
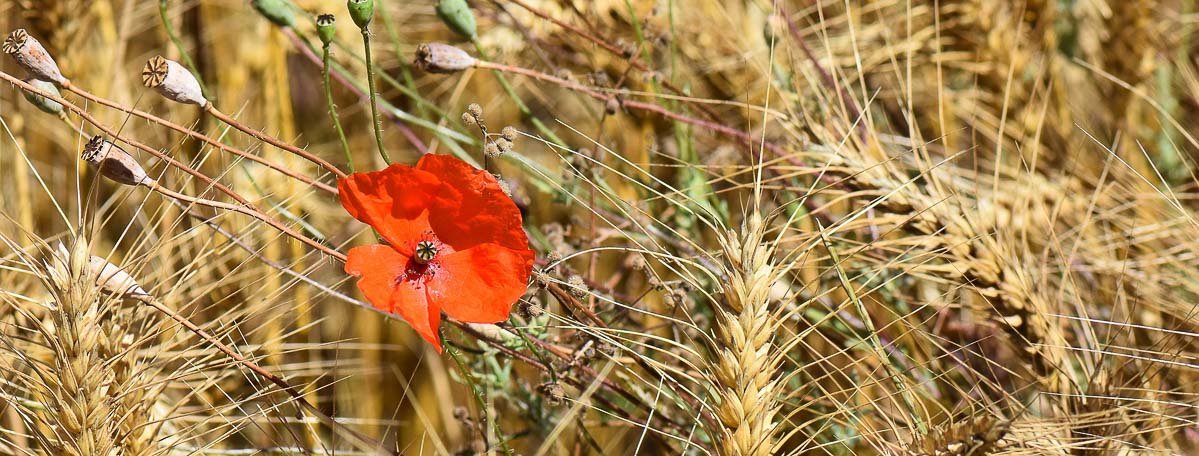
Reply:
x=819 y=227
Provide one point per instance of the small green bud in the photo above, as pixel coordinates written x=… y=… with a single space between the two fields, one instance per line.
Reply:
x=457 y=15
x=277 y=11
x=326 y=28
x=362 y=11
x=47 y=105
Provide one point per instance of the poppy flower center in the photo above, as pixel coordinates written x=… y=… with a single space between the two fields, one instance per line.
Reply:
x=425 y=252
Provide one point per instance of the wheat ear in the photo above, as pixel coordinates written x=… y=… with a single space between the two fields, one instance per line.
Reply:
x=743 y=366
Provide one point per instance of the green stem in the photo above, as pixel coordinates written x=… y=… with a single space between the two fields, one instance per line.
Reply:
x=341 y=134
x=187 y=58
x=471 y=382
x=370 y=79
x=405 y=67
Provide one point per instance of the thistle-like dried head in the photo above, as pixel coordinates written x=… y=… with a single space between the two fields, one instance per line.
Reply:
x=33 y=57
x=173 y=81
x=114 y=163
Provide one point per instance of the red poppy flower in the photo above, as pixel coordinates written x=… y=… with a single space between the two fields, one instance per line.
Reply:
x=456 y=243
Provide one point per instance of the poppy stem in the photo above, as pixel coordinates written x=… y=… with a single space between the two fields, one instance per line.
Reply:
x=370 y=80
x=341 y=134
x=471 y=382
x=211 y=109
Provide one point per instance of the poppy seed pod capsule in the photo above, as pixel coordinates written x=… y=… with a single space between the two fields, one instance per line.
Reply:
x=425 y=252
x=326 y=28
x=47 y=105
x=113 y=279
x=30 y=54
x=114 y=163
x=458 y=17
x=442 y=58
x=173 y=81
x=361 y=11
x=276 y=11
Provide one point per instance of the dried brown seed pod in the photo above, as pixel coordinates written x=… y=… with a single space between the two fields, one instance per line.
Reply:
x=32 y=56
x=114 y=163
x=475 y=110
x=107 y=276
x=442 y=58
x=173 y=81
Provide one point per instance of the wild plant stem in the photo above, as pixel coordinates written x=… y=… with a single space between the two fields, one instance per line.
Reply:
x=471 y=382
x=341 y=134
x=273 y=141
x=187 y=58
x=370 y=80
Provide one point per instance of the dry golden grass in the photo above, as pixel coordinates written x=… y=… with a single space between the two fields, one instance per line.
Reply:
x=819 y=227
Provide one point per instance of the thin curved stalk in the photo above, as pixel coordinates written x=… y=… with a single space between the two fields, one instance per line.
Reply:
x=341 y=134
x=370 y=80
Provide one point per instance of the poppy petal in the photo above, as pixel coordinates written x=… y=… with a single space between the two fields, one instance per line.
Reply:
x=378 y=266
x=382 y=270
x=391 y=200
x=410 y=301
x=480 y=284
x=470 y=208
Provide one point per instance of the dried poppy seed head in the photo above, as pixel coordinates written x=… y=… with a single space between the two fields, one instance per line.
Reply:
x=326 y=27
x=45 y=104
x=34 y=58
x=442 y=58
x=425 y=252
x=114 y=163
x=173 y=81
x=106 y=276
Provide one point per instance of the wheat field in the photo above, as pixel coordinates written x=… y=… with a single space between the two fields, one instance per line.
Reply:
x=919 y=227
